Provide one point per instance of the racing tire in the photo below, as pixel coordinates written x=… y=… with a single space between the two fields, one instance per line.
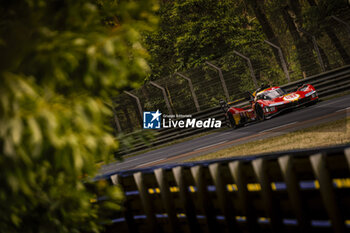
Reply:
x=232 y=120
x=227 y=122
x=312 y=103
x=259 y=112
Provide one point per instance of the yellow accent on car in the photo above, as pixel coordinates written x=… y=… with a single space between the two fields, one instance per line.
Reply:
x=234 y=101
x=237 y=118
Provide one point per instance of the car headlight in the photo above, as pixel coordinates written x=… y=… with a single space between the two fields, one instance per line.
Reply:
x=310 y=93
x=276 y=104
x=269 y=109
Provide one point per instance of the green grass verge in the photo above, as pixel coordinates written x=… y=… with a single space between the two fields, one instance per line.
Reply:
x=326 y=134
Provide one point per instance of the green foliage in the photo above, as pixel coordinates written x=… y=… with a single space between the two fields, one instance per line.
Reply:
x=60 y=61
x=130 y=141
x=194 y=31
x=313 y=15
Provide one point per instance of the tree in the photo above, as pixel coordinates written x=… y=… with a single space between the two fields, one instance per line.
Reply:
x=192 y=32
x=60 y=62
x=266 y=27
x=317 y=13
x=292 y=19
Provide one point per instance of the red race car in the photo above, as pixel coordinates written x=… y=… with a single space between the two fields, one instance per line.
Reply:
x=268 y=102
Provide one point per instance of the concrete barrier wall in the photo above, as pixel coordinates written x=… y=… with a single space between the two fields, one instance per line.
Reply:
x=294 y=191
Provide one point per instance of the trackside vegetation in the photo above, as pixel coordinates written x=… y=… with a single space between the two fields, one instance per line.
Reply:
x=326 y=134
x=60 y=62
x=193 y=32
x=65 y=64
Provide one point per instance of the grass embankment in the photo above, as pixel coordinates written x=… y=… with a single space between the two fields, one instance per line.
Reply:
x=327 y=134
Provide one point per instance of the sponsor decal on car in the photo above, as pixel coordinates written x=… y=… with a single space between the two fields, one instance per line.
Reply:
x=291 y=97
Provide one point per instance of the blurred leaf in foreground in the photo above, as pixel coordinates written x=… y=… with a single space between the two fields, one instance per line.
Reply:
x=60 y=61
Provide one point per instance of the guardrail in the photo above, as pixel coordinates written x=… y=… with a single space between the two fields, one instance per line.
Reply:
x=292 y=191
x=327 y=84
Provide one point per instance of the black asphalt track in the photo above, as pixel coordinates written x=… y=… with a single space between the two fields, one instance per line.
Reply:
x=305 y=117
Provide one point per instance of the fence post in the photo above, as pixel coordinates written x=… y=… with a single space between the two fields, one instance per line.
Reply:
x=271 y=207
x=315 y=47
x=146 y=202
x=347 y=156
x=204 y=197
x=164 y=95
x=223 y=197
x=185 y=197
x=284 y=65
x=328 y=194
x=117 y=123
x=192 y=90
x=137 y=101
x=166 y=196
x=126 y=211
x=287 y=166
x=342 y=22
x=250 y=67
x=221 y=79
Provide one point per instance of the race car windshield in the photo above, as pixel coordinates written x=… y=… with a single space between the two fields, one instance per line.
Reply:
x=268 y=95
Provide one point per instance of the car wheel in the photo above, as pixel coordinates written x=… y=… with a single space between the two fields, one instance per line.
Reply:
x=227 y=121
x=232 y=120
x=312 y=103
x=259 y=112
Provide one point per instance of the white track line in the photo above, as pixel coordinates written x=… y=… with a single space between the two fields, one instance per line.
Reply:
x=150 y=162
x=344 y=109
x=131 y=160
x=278 y=127
x=333 y=102
x=210 y=145
x=220 y=134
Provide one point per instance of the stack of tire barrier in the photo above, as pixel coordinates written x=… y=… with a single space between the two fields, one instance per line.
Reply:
x=327 y=84
x=294 y=191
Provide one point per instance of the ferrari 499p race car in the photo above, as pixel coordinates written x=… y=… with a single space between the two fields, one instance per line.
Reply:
x=268 y=102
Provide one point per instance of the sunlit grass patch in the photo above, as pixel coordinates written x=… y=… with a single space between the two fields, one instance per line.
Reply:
x=326 y=134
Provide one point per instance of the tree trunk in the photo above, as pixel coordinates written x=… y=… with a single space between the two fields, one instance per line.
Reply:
x=312 y=2
x=325 y=59
x=338 y=45
x=128 y=125
x=266 y=27
x=137 y=112
x=296 y=9
x=334 y=39
x=304 y=52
